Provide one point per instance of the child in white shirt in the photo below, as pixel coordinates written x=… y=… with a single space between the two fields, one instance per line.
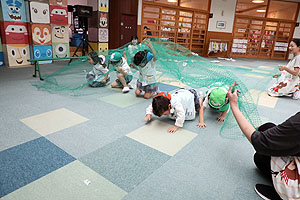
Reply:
x=99 y=76
x=124 y=74
x=181 y=105
x=144 y=62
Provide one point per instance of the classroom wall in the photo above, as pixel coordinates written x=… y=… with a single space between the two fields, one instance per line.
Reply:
x=223 y=10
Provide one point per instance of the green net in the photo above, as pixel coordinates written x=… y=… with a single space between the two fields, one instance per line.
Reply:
x=175 y=64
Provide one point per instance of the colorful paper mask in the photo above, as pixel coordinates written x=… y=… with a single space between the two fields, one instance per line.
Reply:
x=58 y=15
x=103 y=47
x=18 y=54
x=103 y=35
x=39 y=12
x=61 y=50
x=103 y=5
x=14 y=32
x=42 y=51
x=41 y=34
x=13 y=10
x=60 y=34
x=103 y=20
x=59 y=2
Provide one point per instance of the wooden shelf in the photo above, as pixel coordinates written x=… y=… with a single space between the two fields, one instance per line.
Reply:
x=188 y=28
x=263 y=36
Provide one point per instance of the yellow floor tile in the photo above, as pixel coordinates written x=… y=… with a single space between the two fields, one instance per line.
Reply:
x=171 y=81
x=254 y=75
x=263 y=99
x=53 y=121
x=266 y=67
x=155 y=135
x=122 y=100
x=260 y=71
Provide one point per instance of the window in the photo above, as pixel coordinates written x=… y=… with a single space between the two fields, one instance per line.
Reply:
x=282 y=10
x=249 y=7
x=199 y=4
x=170 y=2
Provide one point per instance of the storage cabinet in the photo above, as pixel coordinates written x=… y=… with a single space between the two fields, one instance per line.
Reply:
x=183 y=26
x=261 y=38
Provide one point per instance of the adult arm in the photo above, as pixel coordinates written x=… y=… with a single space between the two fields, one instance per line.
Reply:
x=294 y=72
x=243 y=123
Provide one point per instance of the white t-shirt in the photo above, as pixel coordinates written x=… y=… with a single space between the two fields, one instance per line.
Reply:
x=125 y=66
x=99 y=70
x=182 y=107
x=148 y=73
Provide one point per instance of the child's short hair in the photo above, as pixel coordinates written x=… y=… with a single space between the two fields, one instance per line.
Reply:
x=139 y=57
x=97 y=59
x=160 y=104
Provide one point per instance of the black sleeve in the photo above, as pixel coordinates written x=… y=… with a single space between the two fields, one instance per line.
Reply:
x=281 y=140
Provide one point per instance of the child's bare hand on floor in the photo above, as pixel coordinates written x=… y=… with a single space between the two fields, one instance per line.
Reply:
x=147 y=118
x=221 y=119
x=201 y=125
x=173 y=129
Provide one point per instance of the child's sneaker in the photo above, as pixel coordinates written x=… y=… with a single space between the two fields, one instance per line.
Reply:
x=266 y=192
x=125 y=89
x=130 y=86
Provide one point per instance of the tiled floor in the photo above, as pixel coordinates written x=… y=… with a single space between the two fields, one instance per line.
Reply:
x=99 y=147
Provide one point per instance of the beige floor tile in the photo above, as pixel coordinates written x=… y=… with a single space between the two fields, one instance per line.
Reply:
x=261 y=71
x=263 y=99
x=254 y=75
x=266 y=67
x=74 y=181
x=53 y=121
x=122 y=100
x=171 y=81
x=245 y=67
x=155 y=135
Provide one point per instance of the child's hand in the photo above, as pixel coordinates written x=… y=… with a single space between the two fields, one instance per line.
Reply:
x=147 y=118
x=282 y=68
x=201 y=125
x=221 y=118
x=173 y=129
x=119 y=69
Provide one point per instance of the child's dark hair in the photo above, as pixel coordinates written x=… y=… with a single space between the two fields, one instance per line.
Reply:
x=134 y=37
x=297 y=42
x=139 y=57
x=96 y=58
x=160 y=104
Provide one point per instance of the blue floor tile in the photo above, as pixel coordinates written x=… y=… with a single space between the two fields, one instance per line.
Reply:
x=28 y=162
x=125 y=162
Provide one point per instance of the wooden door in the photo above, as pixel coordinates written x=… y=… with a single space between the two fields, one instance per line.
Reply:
x=128 y=28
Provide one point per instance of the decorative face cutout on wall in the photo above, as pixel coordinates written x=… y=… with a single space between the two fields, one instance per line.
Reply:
x=13 y=10
x=39 y=12
x=42 y=51
x=103 y=5
x=61 y=50
x=103 y=20
x=18 y=54
x=103 y=48
x=103 y=35
x=59 y=2
x=15 y=32
x=60 y=34
x=41 y=34
x=58 y=15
